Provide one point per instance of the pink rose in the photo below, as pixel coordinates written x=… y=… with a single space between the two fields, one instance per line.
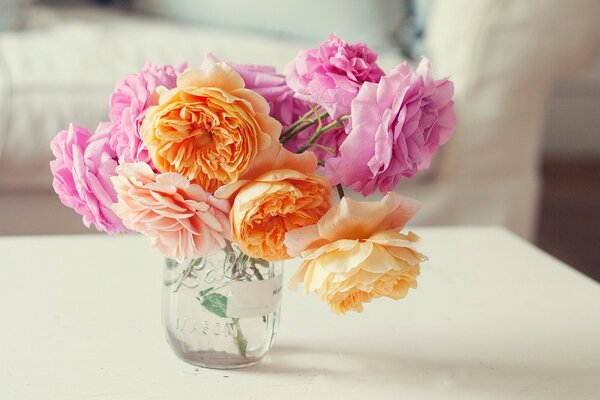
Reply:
x=397 y=126
x=82 y=169
x=128 y=105
x=265 y=80
x=332 y=74
x=180 y=218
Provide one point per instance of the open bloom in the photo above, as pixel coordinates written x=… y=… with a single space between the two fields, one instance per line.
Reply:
x=209 y=128
x=82 y=169
x=356 y=252
x=332 y=74
x=128 y=104
x=279 y=193
x=397 y=126
x=180 y=218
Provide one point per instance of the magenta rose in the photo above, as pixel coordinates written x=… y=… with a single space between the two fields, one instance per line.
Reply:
x=332 y=74
x=128 y=104
x=396 y=127
x=82 y=170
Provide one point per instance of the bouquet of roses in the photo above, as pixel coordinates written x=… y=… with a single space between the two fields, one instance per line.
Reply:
x=196 y=159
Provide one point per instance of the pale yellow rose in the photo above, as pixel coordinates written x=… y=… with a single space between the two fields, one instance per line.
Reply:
x=279 y=192
x=209 y=128
x=356 y=252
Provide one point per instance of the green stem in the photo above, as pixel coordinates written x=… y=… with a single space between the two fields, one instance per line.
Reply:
x=239 y=338
x=299 y=121
x=193 y=263
x=321 y=131
x=326 y=148
x=289 y=134
x=256 y=271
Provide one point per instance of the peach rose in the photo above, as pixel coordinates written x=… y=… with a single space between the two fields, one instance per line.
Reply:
x=179 y=217
x=279 y=192
x=356 y=253
x=209 y=128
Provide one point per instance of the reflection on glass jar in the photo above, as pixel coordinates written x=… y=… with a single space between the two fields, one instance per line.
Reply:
x=222 y=311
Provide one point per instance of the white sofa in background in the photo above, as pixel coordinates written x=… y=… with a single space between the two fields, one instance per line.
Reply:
x=504 y=56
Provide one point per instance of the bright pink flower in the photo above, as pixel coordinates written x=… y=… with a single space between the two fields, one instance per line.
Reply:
x=332 y=74
x=397 y=126
x=265 y=80
x=82 y=169
x=128 y=104
x=180 y=218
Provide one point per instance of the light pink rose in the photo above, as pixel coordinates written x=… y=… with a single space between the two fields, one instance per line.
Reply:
x=397 y=126
x=82 y=169
x=180 y=218
x=332 y=74
x=128 y=105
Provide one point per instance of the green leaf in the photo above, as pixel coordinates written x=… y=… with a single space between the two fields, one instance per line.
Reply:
x=204 y=292
x=196 y=262
x=215 y=303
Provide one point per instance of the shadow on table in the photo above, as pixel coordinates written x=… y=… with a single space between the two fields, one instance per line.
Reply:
x=517 y=379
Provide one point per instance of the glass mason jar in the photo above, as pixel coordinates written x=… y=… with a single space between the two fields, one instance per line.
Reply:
x=222 y=311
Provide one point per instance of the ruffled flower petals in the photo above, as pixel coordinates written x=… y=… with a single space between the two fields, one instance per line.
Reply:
x=332 y=74
x=83 y=166
x=209 y=128
x=267 y=82
x=353 y=219
x=356 y=252
x=397 y=126
x=132 y=96
x=218 y=75
x=268 y=206
x=275 y=157
x=180 y=218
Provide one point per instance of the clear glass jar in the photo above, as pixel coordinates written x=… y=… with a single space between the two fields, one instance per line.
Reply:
x=222 y=311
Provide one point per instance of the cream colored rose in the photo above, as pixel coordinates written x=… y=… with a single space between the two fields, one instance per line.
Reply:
x=356 y=252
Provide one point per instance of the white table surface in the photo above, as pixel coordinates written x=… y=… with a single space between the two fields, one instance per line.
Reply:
x=493 y=318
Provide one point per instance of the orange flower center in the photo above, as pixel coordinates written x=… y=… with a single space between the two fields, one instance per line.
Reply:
x=205 y=143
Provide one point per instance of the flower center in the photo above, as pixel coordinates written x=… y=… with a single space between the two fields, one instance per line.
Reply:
x=201 y=135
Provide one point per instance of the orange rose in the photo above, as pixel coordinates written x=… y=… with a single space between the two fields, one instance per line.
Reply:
x=278 y=193
x=209 y=128
x=356 y=253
